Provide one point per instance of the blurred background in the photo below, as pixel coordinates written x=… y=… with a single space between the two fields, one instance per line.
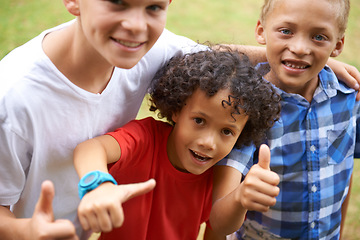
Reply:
x=230 y=21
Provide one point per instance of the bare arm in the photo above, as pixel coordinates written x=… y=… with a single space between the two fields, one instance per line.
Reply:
x=9 y=221
x=42 y=224
x=226 y=180
x=256 y=54
x=101 y=209
x=95 y=154
x=344 y=208
x=232 y=199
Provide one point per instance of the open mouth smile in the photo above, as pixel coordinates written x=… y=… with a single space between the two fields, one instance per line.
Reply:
x=295 y=65
x=199 y=157
x=128 y=44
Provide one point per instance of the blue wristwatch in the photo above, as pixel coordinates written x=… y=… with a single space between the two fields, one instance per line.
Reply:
x=92 y=180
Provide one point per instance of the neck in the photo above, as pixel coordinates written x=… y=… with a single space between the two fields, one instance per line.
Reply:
x=77 y=60
x=307 y=90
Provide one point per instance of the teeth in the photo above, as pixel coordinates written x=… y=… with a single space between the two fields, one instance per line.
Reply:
x=200 y=157
x=128 y=44
x=295 y=66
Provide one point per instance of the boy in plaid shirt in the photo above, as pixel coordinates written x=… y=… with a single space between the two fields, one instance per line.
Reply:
x=313 y=144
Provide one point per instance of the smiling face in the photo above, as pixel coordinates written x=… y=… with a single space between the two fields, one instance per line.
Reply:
x=204 y=133
x=300 y=36
x=122 y=32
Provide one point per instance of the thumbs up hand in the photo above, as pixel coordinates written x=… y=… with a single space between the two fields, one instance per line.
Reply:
x=259 y=189
x=42 y=224
x=100 y=210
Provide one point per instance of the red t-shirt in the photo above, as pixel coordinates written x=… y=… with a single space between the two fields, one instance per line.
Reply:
x=180 y=201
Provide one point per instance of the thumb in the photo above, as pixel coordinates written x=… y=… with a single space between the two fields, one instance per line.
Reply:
x=264 y=157
x=136 y=189
x=44 y=204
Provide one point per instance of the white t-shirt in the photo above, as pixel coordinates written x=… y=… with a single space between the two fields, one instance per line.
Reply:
x=43 y=116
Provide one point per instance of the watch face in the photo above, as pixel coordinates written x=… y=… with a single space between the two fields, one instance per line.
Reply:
x=88 y=180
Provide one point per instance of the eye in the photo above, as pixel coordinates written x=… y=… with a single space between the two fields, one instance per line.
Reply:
x=154 y=8
x=320 y=38
x=118 y=2
x=199 y=121
x=285 y=31
x=227 y=132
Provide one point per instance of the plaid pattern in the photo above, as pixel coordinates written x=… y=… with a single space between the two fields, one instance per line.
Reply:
x=312 y=149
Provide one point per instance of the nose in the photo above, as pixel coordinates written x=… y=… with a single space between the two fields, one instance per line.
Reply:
x=135 y=21
x=207 y=141
x=300 y=46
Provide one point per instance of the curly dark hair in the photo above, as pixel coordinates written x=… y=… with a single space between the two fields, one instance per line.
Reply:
x=212 y=71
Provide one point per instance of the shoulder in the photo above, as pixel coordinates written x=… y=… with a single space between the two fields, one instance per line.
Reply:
x=147 y=126
x=170 y=44
x=330 y=81
x=25 y=61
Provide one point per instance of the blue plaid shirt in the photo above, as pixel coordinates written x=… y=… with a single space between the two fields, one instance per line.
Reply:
x=312 y=150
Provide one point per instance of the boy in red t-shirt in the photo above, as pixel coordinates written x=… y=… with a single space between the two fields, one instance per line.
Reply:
x=208 y=99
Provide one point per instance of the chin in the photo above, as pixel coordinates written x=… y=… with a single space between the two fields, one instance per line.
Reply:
x=126 y=62
x=198 y=171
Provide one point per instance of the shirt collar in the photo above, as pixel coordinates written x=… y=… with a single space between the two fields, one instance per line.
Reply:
x=328 y=85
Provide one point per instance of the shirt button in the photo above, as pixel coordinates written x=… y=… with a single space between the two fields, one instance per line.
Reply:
x=312 y=148
x=313 y=188
x=312 y=225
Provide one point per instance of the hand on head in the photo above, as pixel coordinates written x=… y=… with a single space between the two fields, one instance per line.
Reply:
x=259 y=188
x=100 y=210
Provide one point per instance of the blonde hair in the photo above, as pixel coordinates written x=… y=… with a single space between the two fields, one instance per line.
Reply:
x=341 y=7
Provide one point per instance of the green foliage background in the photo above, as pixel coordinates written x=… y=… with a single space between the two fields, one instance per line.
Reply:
x=229 y=21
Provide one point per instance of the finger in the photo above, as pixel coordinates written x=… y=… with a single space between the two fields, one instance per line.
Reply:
x=354 y=72
x=262 y=201
x=253 y=186
x=84 y=222
x=117 y=216
x=44 y=204
x=351 y=79
x=264 y=157
x=136 y=189
x=61 y=229
x=255 y=206
x=103 y=217
x=358 y=96
x=92 y=219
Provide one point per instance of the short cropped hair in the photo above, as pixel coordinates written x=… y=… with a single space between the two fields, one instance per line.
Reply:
x=342 y=9
x=212 y=71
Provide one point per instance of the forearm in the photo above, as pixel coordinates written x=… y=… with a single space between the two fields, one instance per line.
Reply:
x=12 y=228
x=227 y=215
x=256 y=54
x=344 y=208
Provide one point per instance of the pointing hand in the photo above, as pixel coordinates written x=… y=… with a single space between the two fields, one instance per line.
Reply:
x=101 y=209
x=42 y=224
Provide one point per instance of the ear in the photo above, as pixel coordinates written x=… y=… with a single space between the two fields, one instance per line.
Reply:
x=175 y=117
x=260 y=33
x=338 y=47
x=72 y=6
